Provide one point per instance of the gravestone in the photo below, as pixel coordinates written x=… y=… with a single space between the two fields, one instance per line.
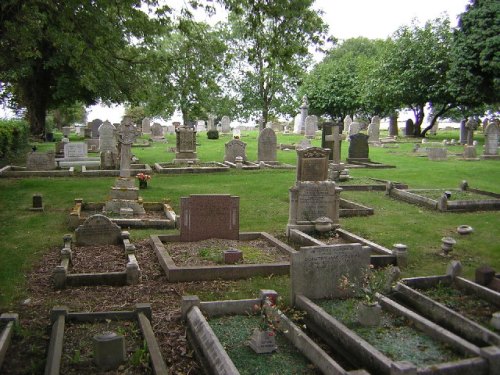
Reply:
x=200 y=126
x=157 y=130
x=470 y=153
x=225 y=124
x=409 y=128
x=358 y=148
x=109 y=350
x=66 y=130
x=303 y=114
x=332 y=139
x=233 y=149
x=311 y=125
x=347 y=124
x=75 y=151
x=374 y=130
x=317 y=271
x=185 y=146
x=94 y=128
x=463 y=133
x=327 y=138
x=146 y=125
x=393 y=125
x=127 y=133
x=303 y=144
x=354 y=127
x=210 y=122
x=209 y=216
x=107 y=137
x=491 y=135
x=312 y=164
x=296 y=124
x=41 y=161
x=98 y=230
x=471 y=125
x=437 y=153
x=267 y=144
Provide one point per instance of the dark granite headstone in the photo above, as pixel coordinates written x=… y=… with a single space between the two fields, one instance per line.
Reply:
x=484 y=275
x=358 y=148
x=209 y=216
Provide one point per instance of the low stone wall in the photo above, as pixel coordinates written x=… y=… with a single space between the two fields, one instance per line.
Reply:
x=96 y=172
x=226 y=272
x=351 y=209
x=167 y=168
x=13 y=171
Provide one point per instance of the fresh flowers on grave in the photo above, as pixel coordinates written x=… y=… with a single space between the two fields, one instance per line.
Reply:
x=143 y=177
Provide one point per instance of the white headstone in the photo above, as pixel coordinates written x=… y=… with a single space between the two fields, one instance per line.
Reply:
x=75 y=150
x=225 y=124
x=107 y=137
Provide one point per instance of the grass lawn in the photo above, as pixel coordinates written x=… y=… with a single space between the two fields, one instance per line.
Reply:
x=264 y=204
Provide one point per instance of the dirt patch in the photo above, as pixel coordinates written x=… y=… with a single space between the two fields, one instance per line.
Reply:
x=27 y=354
x=98 y=259
x=209 y=252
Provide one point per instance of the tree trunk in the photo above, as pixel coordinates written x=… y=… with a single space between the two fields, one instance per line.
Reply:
x=441 y=112
x=37 y=108
x=419 y=118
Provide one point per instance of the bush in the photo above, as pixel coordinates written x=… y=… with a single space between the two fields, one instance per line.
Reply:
x=213 y=134
x=13 y=137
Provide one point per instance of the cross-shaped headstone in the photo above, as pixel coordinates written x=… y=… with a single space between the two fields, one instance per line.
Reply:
x=127 y=133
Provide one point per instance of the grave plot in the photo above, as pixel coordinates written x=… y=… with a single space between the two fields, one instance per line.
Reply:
x=101 y=255
x=459 y=305
x=368 y=184
x=8 y=321
x=375 y=331
x=95 y=342
x=226 y=338
x=93 y=171
x=38 y=164
x=157 y=215
x=464 y=199
x=380 y=256
x=190 y=167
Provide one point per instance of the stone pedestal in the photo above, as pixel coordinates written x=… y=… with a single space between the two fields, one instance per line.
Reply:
x=124 y=195
x=263 y=341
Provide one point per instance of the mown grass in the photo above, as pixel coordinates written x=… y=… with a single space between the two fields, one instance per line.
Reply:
x=264 y=205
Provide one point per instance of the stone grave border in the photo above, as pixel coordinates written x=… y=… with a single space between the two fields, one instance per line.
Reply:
x=367 y=164
x=14 y=171
x=169 y=222
x=185 y=168
x=135 y=168
x=275 y=165
x=11 y=320
x=380 y=256
x=412 y=196
x=334 y=333
x=210 y=351
x=245 y=165
x=63 y=277
x=405 y=291
x=350 y=209
x=226 y=272
x=59 y=315
x=380 y=186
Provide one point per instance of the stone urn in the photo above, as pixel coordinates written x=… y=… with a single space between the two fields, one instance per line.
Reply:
x=369 y=314
x=447 y=244
x=263 y=341
x=323 y=224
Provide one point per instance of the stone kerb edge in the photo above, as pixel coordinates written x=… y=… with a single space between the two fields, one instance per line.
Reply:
x=12 y=320
x=142 y=314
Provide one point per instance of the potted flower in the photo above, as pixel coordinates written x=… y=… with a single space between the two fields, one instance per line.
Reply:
x=263 y=336
x=143 y=180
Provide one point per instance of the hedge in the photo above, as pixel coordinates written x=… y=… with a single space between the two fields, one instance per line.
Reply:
x=13 y=137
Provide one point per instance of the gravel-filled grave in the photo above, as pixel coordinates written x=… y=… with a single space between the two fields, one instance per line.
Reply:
x=98 y=259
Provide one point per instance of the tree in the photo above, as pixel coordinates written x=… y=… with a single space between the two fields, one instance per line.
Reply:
x=413 y=69
x=192 y=60
x=335 y=86
x=53 y=53
x=475 y=67
x=272 y=38
x=66 y=115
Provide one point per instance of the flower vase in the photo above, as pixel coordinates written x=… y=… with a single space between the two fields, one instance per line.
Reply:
x=369 y=314
x=263 y=341
x=143 y=184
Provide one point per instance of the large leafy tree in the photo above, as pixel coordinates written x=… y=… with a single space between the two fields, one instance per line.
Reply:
x=192 y=61
x=53 y=53
x=413 y=70
x=475 y=68
x=272 y=40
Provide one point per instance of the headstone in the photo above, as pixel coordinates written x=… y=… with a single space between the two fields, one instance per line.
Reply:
x=311 y=126
x=157 y=130
x=107 y=137
x=374 y=129
x=37 y=202
x=225 y=124
x=355 y=127
x=358 y=148
x=347 y=124
x=210 y=122
x=41 y=161
x=296 y=124
x=470 y=153
x=146 y=125
x=463 y=133
x=233 y=149
x=393 y=125
x=94 y=128
x=127 y=133
x=437 y=153
x=87 y=132
x=109 y=350
x=327 y=140
x=409 y=128
x=98 y=230
x=317 y=271
x=209 y=216
x=267 y=144
x=303 y=144
x=491 y=135
x=200 y=126
x=312 y=164
x=185 y=145
x=75 y=150
x=471 y=125
x=303 y=114
x=66 y=130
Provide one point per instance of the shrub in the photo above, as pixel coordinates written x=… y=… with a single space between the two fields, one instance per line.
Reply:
x=213 y=134
x=13 y=137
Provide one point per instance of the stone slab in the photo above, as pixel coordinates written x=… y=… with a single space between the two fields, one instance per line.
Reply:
x=98 y=230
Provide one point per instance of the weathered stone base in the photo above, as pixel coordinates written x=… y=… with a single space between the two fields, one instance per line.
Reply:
x=115 y=205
